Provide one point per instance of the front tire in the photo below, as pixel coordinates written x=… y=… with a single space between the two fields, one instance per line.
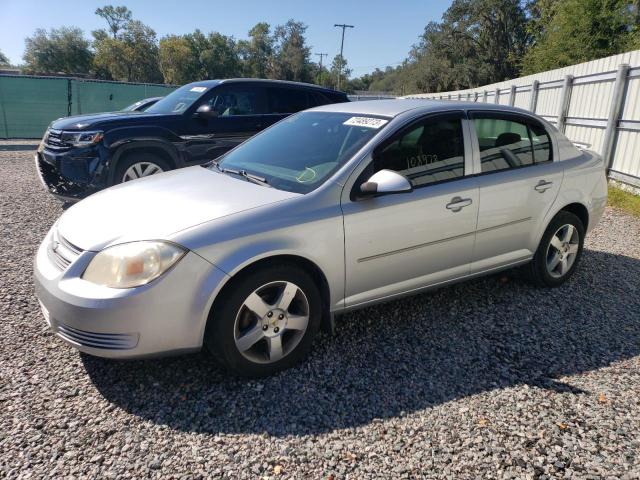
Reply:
x=266 y=321
x=559 y=252
x=139 y=165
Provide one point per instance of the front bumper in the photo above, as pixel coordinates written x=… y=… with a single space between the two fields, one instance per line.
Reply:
x=165 y=316
x=73 y=174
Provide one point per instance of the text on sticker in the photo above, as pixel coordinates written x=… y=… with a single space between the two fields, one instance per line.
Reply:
x=368 y=122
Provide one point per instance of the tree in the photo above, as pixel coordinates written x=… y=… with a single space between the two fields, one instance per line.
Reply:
x=256 y=52
x=3 y=59
x=132 y=56
x=574 y=31
x=61 y=50
x=178 y=63
x=291 y=54
x=220 y=57
x=339 y=69
x=116 y=17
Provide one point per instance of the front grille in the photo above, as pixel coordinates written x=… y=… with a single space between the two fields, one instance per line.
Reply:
x=109 y=341
x=53 y=140
x=61 y=252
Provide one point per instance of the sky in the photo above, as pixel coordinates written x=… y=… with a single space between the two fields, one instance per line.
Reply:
x=383 y=34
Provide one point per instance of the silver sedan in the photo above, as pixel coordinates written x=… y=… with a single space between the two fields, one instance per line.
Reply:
x=332 y=209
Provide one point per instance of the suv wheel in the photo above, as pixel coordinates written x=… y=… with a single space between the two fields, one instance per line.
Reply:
x=559 y=251
x=138 y=166
x=267 y=321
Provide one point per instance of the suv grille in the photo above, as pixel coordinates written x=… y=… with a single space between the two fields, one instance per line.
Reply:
x=53 y=140
x=61 y=252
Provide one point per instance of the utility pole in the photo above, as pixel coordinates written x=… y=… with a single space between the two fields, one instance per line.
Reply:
x=343 y=27
x=321 y=55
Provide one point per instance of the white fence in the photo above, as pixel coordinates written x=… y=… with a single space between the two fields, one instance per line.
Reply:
x=596 y=104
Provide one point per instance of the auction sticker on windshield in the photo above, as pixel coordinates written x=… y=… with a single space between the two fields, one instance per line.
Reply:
x=198 y=89
x=368 y=122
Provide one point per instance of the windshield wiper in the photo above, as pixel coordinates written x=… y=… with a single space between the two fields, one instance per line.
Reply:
x=216 y=164
x=244 y=174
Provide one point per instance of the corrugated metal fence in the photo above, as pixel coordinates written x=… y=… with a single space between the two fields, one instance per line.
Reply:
x=28 y=104
x=596 y=104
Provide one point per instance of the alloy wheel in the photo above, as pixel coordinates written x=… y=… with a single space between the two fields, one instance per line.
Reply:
x=139 y=170
x=271 y=322
x=562 y=250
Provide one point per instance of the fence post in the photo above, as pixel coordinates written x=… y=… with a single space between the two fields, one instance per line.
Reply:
x=512 y=96
x=475 y=97
x=565 y=100
x=619 y=87
x=497 y=99
x=69 y=94
x=485 y=96
x=533 y=102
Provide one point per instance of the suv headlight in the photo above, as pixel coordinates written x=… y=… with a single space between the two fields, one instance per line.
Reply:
x=82 y=139
x=132 y=264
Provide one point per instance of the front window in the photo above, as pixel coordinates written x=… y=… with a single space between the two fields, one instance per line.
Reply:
x=301 y=152
x=178 y=100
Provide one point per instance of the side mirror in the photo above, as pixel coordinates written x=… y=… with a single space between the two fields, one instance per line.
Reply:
x=386 y=182
x=205 y=112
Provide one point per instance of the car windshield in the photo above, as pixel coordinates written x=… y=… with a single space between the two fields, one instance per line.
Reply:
x=178 y=100
x=133 y=106
x=299 y=153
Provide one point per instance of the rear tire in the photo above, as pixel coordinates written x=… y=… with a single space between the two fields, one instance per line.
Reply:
x=559 y=252
x=139 y=165
x=265 y=322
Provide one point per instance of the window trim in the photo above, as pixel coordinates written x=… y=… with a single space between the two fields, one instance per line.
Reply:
x=261 y=100
x=391 y=137
x=524 y=119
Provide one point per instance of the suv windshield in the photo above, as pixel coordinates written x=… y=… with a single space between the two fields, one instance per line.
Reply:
x=178 y=100
x=299 y=153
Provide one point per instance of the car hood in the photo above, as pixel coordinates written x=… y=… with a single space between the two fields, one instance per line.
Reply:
x=157 y=206
x=107 y=119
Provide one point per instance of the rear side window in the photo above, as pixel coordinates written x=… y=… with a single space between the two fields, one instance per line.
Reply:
x=431 y=151
x=287 y=100
x=506 y=144
x=541 y=144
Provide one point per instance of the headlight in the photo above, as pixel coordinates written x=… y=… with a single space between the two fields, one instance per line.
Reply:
x=132 y=264
x=82 y=139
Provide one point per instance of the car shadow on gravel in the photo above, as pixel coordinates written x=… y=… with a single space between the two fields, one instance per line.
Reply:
x=402 y=356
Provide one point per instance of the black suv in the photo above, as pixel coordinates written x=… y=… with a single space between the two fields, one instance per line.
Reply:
x=194 y=124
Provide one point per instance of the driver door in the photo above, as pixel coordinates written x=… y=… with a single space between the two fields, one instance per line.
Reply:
x=402 y=242
x=239 y=109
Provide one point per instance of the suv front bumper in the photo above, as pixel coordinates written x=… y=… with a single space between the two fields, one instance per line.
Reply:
x=71 y=175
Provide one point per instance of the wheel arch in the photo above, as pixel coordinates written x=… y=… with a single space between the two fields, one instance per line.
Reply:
x=305 y=264
x=167 y=153
x=580 y=211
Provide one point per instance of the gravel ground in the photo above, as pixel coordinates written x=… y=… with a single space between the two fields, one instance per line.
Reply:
x=487 y=379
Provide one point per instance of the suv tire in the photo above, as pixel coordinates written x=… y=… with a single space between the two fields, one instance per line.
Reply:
x=137 y=165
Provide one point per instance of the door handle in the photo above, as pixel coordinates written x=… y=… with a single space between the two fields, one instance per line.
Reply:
x=543 y=186
x=458 y=203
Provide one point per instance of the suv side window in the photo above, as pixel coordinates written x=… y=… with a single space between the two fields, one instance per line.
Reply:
x=506 y=143
x=428 y=152
x=286 y=100
x=237 y=100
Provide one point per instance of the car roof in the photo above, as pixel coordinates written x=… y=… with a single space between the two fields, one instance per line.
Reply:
x=395 y=107
x=213 y=83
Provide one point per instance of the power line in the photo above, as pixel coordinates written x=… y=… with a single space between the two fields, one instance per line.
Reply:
x=343 y=26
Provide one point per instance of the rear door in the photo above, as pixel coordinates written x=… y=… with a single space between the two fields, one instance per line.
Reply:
x=519 y=181
x=239 y=107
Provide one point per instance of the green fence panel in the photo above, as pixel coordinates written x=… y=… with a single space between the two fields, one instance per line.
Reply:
x=29 y=104
x=91 y=96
